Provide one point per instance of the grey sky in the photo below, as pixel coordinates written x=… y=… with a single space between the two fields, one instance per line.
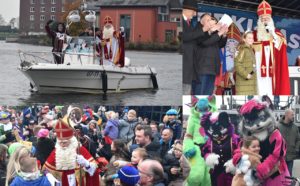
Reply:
x=9 y=9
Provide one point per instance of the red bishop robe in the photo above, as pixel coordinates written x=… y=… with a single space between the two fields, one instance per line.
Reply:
x=107 y=51
x=279 y=71
x=62 y=175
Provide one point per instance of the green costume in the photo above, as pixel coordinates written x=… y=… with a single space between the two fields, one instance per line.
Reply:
x=199 y=173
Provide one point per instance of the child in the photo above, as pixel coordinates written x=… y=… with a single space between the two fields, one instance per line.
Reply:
x=244 y=64
x=251 y=148
x=176 y=166
x=111 y=130
x=138 y=155
x=127 y=176
x=22 y=170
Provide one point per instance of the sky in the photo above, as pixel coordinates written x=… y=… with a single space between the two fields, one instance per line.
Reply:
x=9 y=9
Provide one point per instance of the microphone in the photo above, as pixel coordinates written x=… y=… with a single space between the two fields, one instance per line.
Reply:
x=266 y=28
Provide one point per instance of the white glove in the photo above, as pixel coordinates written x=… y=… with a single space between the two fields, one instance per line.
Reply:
x=229 y=167
x=244 y=164
x=82 y=161
x=270 y=29
x=122 y=29
x=52 y=179
x=212 y=160
x=249 y=76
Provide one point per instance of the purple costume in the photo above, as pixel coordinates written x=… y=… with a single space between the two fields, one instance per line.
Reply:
x=221 y=142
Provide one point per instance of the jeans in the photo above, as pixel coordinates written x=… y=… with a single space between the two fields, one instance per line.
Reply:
x=290 y=165
x=205 y=85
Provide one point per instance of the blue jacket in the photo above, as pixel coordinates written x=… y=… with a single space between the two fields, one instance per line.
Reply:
x=111 y=129
x=19 y=181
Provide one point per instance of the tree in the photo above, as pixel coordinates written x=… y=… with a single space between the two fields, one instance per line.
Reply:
x=12 y=22
x=76 y=28
x=2 y=21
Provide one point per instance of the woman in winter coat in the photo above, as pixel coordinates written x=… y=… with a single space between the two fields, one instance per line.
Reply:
x=244 y=64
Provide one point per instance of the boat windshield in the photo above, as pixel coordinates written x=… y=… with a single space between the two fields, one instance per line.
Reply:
x=81 y=44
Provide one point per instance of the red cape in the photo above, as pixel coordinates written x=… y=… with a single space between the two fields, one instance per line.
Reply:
x=86 y=179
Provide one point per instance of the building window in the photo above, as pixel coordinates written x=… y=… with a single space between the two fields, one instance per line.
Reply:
x=52 y=1
x=163 y=18
x=52 y=17
x=169 y=35
x=32 y=1
x=163 y=10
x=31 y=26
x=53 y=9
x=43 y=9
x=31 y=9
x=31 y=17
x=42 y=26
x=176 y=20
x=42 y=18
x=163 y=14
x=42 y=1
x=125 y=21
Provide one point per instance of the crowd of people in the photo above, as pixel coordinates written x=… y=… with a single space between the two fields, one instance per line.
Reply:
x=48 y=146
x=260 y=59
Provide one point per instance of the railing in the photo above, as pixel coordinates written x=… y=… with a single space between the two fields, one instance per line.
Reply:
x=47 y=57
x=36 y=57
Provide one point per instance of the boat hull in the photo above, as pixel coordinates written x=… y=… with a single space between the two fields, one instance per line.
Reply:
x=51 y=78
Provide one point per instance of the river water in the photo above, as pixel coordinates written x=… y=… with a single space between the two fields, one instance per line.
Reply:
x=15 y=89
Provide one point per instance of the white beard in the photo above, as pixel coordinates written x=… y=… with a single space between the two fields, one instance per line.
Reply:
x=262 y=34
x=65 y=158
x=108 y=32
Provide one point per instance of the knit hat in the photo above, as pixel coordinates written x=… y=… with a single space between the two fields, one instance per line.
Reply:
x=26 y=111
x=129 y=175
x=171 y=112
x=4 y=115
x=43 y=133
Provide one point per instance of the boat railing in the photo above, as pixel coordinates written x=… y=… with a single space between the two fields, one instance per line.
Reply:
x=47 y=57
x=36 y=57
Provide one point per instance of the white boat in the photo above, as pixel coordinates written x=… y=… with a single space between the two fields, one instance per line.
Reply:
x=81 y=71
x=78 y=74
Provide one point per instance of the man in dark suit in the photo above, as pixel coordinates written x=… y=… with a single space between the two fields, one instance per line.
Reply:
x=190 y=36
x=208 y=63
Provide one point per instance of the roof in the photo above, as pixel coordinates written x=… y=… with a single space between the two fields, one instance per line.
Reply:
x=284 y=8
x=124 y=3
x=175 y=4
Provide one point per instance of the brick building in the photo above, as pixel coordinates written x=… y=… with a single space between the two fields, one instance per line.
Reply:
x=34 y=14
x=143 y=20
